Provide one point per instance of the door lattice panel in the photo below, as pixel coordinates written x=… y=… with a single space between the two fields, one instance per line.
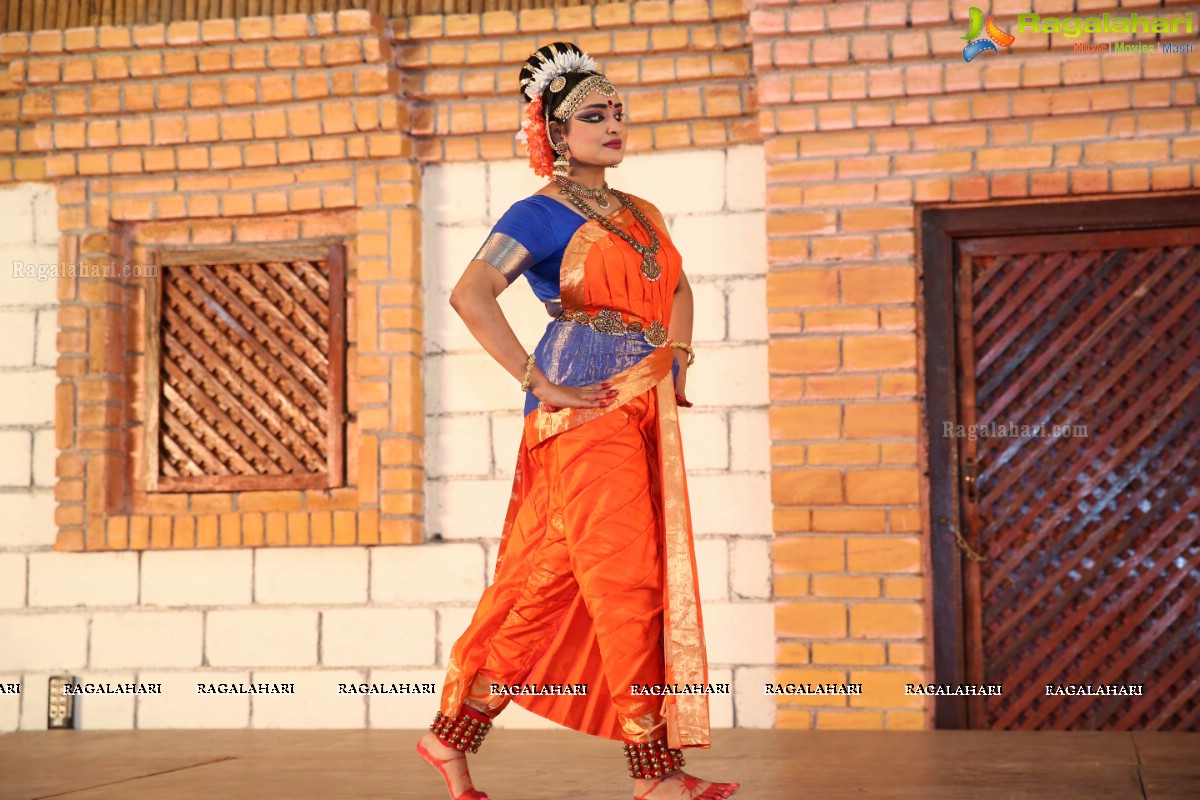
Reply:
x=1091 y=532
x=249 y=370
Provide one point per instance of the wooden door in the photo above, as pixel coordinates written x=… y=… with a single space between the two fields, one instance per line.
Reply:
x=1068 y=532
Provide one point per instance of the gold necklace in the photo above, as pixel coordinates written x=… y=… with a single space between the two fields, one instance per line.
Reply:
x=650 y=266
x=599 y=195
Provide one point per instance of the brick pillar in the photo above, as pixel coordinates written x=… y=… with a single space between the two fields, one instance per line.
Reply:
x=842 y=359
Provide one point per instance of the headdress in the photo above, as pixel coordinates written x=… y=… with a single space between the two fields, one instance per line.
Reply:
x=552 y=72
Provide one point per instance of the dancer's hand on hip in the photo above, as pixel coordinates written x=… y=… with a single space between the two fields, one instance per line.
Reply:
x=555 y=396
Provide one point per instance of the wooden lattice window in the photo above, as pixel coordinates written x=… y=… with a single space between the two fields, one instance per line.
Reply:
x=245 y=369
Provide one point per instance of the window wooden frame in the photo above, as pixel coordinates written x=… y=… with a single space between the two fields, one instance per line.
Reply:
x=333 y=254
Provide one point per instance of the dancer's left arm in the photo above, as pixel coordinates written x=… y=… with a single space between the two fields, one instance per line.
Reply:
x=680 y=329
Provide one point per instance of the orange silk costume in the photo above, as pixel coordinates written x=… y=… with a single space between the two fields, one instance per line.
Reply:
x=595 y=579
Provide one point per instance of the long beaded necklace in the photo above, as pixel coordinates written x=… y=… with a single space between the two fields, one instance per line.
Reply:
x=572 y=190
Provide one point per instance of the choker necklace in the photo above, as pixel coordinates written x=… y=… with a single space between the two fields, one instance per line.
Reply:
x=599 y=195
x=650 y=267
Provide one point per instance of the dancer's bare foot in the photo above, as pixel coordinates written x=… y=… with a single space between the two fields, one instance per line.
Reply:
x=451 y=763
x=681 y=786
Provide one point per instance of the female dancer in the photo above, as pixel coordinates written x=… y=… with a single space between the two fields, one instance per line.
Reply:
x=595 y=584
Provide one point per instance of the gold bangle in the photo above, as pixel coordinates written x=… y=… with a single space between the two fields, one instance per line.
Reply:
x=688 y=348
x=528 y=372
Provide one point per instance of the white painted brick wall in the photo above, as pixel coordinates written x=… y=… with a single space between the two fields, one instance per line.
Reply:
x=708 y=310
x=46 y=351
x=28 y=328
x=733 y=503
x=751 y=574
x=437 y=573
x=28 y=518
x=43 y=641
x=716 y=218
x=30 y=214
x=354 y=637
x=83 y=579
x=690 y=182
x=261 y=638
x=197 y=577
x=507 y=429
x=721 y=243
x=469 y=382
x=12 y=580
x=750 y=425
x=300 y=575
x=705 y=439
x=730 y=376
x=28 y=397
x=459 y=445
x=745 y=179
x=16 y=345
x=712 y=566
x=739 y=633
x=40 y=641
x=468 y=509
x=44 y=456
x=135 y=639
x=747 y=301
x=16 y=463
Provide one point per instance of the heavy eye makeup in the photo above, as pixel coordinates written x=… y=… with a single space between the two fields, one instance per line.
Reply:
x=594 y=117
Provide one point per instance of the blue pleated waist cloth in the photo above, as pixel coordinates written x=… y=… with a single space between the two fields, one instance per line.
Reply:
x=576 y=355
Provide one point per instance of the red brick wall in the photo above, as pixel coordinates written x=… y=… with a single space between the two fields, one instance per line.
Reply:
x=285 y=129
x=683 y=68
x=868 y=110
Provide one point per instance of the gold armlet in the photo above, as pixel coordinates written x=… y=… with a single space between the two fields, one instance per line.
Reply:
x=528 y=372
x=688 y=349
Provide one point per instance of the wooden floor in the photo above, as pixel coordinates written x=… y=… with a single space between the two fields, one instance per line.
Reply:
x=531 y=765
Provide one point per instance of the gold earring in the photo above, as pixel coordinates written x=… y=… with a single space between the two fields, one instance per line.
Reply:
x=562 y=163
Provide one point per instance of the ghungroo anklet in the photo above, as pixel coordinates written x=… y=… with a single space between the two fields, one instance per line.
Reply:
x=652 y=759
x=463 y=732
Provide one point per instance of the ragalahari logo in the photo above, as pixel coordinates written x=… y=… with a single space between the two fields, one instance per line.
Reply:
x=994 y=37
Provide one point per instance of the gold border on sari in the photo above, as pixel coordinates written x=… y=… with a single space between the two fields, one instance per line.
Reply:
x=683 y=628
x=572 y=271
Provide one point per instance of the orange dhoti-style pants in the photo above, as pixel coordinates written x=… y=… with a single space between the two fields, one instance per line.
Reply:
x=585 y=539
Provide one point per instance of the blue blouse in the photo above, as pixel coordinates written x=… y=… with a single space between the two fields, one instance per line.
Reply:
x=543 y=227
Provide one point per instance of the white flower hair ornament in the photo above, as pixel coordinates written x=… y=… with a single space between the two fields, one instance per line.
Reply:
x=561 y=64
x=544 y=75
